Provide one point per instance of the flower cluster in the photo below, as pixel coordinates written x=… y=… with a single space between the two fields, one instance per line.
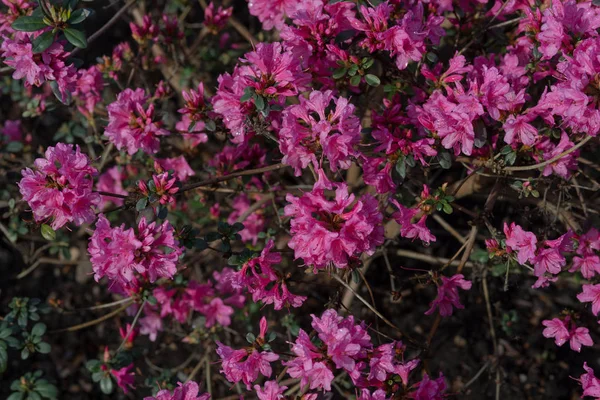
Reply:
x=59 y=188
x=128 y=258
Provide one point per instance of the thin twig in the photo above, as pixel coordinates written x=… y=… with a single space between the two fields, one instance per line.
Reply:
x=247 y=172
x=550 y=161
x=95 y=321
x=130 y=330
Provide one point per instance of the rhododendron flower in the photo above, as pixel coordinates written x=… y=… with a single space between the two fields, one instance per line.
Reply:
x=519 y=128
x=183 y=391
x=404 y=217
x=60 y=186
x=378 y=394
x=520 y=241
x=272 y=12
x=131 y=124
x=429 y=389
x=12 y=130
x=333 y=232
x=563 y=330
x=271 y=72
x=591 y=293
x=344 y=345
x=589 y=383
x=88 y=90
x=111 y=181
x=50 y=65
x=257 y=275
x=178 y=165
x=309 y=130
x=254 y=223
x=147 y=30
x=150 y=325
x=215 y=21
x=447 y=297
x=119 y=253
x=245 y=364
x=163 y=186
x=270 y=391
x=125 y=377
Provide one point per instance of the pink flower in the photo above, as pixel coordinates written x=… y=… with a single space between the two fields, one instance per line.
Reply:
x=215 y=21
x=272 y=12
x=334 y=232
x=150 y=325
x=270 y=391
x=89 y=89
x=50 y=65
x=119 y=253
x=404 y=217
x=523 y=242
x=257 y=274
x=60 y=186
x=564 y=165
x=131 y=125
x=217 y=311
x=146 y=31
x=183 y=391
x=566 y=330
x=591 y=293
x=178 y=165
x=589 y=383
x=12 y=130
x=242 y=365
x=308 y=129
x=429 y=389
x=589 y=265
x=519 y=128
x=125 y=377
x=111 y=181
x=447 y=297
x=254 y=223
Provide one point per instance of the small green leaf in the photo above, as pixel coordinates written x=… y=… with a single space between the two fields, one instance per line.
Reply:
x=76 y=37
x=210 y=125
x=339 y=73
x=43 y=348
x=141 y=203
x=106 y=385
x=259 y=102
x=250 y=338
x=355 y=80
x=16 y=396
x=401 y=167
x=46 y=390
x=372 y=80
x=79 y=15
x=29 y=24
x=248 y=93
x=38 y=329
x=447 y=208
x=64 y=98
x=42 y=42
x=14 y=147
x=48 y=233
x=152 y=300
x=25 y=353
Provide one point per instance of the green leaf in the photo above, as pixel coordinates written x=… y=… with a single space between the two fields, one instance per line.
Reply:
x=106 y=385
x=355 y=80
x=38 y=329
x=339 y=73
x=79 y=15
x=401 y=167
x=210 y=125
x=64 y=98
x=259 y=102
x=29 y=24
x=445 y=160
x=34 y=396
x=250 y=338
x=47 y=390
x=248 y=93
x=447 y=208
x=510 y=158
x=141 y=203
x=372 y=80
x=16 y=396
x=14 y=147
x=48 y=233
x=152 y=300
x=42 y=42
x=43 y=348
x=24 y=354
x=76 y=37
x=3 y=360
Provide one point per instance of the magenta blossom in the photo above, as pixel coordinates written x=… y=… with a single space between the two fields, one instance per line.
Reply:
x=589 y=383
x=125 y=377
x=111 y=181
x=270 y=391
x=563 y=330
x=447 y=297
x=333 y=232
x=183 y=391
x=310 y=131
x=60 y=187
x=126 y=257
x=520 y=241
x=591 y=294
x=273 y=12
x=132 y=125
